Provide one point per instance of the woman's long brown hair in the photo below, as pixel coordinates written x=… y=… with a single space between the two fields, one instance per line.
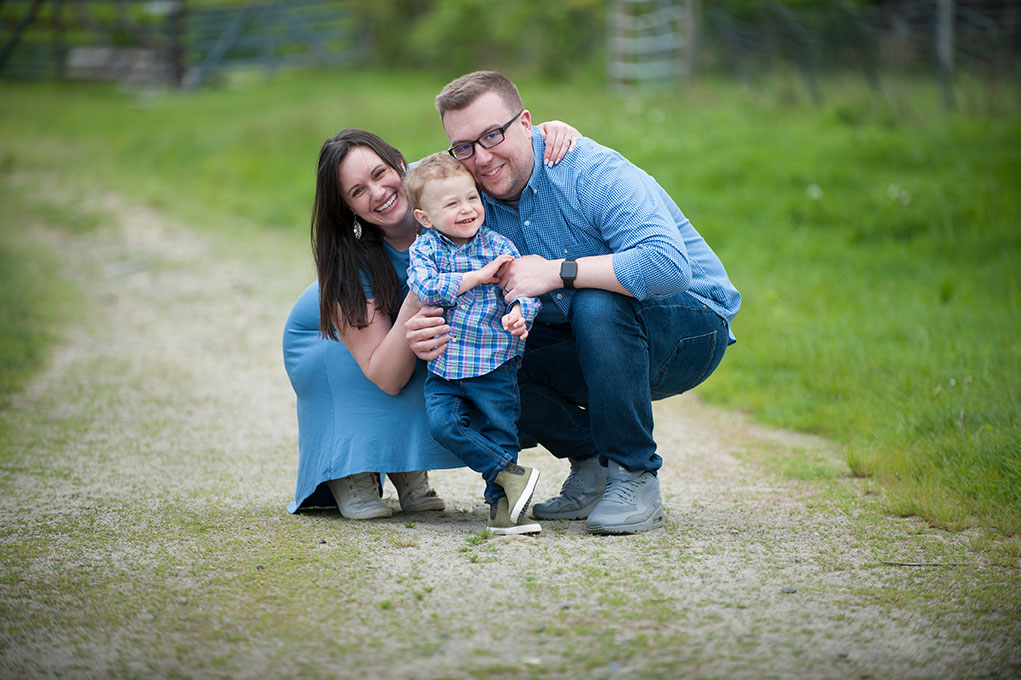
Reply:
x=339 y=256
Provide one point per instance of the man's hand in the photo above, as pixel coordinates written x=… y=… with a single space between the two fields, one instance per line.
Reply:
x=529 y=276
x=427 y=333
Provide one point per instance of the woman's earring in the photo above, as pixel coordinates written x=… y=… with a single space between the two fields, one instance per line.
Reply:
x=357 y=229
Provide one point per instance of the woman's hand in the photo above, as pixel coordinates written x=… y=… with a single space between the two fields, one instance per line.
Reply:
x=427 y=333
x=560 y=138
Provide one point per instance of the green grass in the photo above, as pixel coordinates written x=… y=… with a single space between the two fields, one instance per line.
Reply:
x=35 y=302
x=875 y=239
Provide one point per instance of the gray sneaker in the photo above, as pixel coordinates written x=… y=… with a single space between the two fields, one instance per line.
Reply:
x=580 y=493
x=631 y=503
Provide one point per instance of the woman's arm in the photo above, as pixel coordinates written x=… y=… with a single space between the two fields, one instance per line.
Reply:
x=381 y=349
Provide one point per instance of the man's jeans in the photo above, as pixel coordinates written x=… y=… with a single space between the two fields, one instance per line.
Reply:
x=587 y=386
x=490 y=443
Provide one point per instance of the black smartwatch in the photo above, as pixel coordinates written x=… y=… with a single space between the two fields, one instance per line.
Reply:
x=569 y=272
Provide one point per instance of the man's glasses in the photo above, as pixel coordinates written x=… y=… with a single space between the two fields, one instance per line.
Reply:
x=487 y=140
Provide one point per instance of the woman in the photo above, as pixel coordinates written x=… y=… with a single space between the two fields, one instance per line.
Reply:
x=360 y=406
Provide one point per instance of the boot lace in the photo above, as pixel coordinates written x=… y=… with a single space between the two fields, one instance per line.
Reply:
x=365 y=483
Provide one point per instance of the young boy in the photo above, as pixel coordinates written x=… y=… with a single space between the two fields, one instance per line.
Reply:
x=453 y=265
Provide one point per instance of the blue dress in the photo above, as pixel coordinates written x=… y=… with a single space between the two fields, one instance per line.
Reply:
x=346 y=424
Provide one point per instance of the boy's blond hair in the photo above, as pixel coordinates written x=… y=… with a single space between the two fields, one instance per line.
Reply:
x=431 y=168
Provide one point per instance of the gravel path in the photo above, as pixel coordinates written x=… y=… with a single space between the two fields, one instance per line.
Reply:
x=144 y=531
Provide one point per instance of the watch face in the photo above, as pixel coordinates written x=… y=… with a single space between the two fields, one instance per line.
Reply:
x=568 y=272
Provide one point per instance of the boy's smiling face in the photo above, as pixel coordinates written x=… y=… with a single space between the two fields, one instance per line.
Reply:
x=452 y=206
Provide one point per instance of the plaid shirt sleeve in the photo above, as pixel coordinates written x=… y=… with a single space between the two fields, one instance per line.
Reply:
x=425 y=279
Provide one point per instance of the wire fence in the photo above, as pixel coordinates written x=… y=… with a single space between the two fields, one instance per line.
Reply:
x=650 y=42
x=980 y=37
x=169 y=42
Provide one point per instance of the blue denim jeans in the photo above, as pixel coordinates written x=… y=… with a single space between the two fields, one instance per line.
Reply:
x=488 y=443
x=587 y=386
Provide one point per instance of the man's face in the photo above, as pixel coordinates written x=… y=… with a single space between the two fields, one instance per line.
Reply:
x=503 y=171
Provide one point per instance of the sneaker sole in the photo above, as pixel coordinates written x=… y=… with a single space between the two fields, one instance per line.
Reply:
x=371 y=514
x=654 y=522
x=525 y=498
x=517 y=530
x=583 y=513
x=424 y=505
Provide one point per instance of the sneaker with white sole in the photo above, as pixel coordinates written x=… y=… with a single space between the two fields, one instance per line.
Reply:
x=500 y=522
x=630 y=504
x=580 y=493
x=414 y=491
x=518 y=482
x=358 y=496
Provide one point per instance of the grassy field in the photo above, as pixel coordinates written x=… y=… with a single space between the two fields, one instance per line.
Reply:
x=875 y=240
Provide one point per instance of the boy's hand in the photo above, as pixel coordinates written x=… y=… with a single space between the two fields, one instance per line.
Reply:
x=488 y=273
x=514 y=323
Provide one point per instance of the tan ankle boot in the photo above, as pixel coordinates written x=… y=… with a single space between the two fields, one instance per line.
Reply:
x=357 y=496
x=414 y=491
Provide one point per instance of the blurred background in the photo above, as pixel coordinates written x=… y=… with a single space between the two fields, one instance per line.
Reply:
x=632 y=43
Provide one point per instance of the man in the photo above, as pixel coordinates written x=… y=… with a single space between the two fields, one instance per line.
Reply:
x=636 y=306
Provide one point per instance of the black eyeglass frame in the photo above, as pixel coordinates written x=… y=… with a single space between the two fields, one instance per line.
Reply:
x=478 y=140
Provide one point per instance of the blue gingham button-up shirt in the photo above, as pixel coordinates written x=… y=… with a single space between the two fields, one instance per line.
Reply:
x=596 y=202
x=478 y=342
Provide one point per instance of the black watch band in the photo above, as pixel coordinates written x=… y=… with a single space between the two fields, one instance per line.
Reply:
x=569 y=272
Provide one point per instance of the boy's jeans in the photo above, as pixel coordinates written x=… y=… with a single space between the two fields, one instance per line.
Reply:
x=587 y=386
x=492 y=399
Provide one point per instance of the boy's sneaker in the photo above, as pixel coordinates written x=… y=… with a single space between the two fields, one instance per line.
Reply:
x=500 y=522
x=414 y=491
x=518 y=483
x=358 y=497
x=580 y=494
x=631 y=503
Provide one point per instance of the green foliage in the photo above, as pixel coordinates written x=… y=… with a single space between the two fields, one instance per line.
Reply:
x=456 y=36
x=874 y=240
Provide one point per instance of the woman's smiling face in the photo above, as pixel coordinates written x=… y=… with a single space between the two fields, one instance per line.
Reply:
x=371 y=188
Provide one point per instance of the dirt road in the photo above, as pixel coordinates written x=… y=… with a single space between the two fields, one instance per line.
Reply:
x=145 y=535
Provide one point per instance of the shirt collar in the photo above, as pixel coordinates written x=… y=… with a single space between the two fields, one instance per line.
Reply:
x=537 y=177
x=446 y=239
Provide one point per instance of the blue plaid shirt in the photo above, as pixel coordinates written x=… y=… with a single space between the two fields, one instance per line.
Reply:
x=478 y=342
x=596 y=202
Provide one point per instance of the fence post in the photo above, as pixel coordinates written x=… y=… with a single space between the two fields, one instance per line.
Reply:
x=178 y=56
x=945 y=50
x=59 y=47
x=694 y=35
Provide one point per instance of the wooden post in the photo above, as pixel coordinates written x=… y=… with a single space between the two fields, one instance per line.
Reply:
x=694 y=33
x=178 y=56
x=59 y=48
x=945 y=50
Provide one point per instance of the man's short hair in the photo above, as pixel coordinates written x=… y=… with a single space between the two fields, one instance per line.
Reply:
x=431 y=168
x=462 y=92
